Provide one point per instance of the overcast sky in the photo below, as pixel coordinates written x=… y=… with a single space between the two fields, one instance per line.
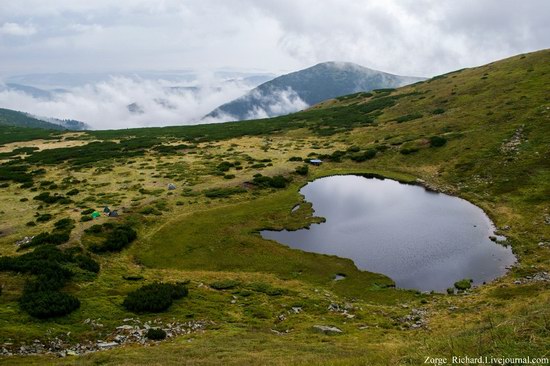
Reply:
x=408 y=37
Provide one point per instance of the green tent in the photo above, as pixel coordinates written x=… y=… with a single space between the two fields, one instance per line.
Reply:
x=95 y=215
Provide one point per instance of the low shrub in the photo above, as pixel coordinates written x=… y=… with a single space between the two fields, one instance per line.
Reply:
x=224 y=285
x=48 y=304
x=277 y=181
x=295 y=158
x=224 y=166
x=463 y=284
x=438 y=111
x=87 y=263
x=73 y=192
x=94 y=229
x=266 y=289
x=41 y=296
x=64 y=224
x=437 y=141
x=132 y=277
x=45 y=238
x=223 y=192
x=408 y=150
x=44 y=218
x=117 y=239
x=156 y=297
x=408 y=117
x=155 y=334
x=302 y=170
x=47 y=198
x=363 y=155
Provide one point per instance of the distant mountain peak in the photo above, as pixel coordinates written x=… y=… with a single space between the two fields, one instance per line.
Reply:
x=297 y=90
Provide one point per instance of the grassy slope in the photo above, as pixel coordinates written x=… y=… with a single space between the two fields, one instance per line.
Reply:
x=206 y=240
x=10 y=117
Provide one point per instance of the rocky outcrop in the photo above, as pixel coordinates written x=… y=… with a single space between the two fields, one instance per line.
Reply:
x=133 y=332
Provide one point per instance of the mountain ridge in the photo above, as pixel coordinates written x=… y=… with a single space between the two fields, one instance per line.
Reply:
x=303 y=88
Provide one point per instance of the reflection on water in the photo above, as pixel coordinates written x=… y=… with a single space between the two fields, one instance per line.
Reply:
x=422 y=240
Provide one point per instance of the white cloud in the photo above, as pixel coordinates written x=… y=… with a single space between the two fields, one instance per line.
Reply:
x=277 y=103
x=14 y=29
x=104 y=105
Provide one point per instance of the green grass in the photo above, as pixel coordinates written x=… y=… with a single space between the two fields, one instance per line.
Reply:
x=213 y=238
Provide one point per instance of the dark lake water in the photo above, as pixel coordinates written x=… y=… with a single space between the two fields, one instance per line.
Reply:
x=421 y=239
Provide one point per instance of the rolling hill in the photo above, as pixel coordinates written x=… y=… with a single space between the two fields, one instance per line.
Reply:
x=298 y=90
x=10 y=117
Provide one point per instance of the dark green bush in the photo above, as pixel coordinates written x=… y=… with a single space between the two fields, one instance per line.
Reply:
x=337 y=155
x=408 y=150
x=463 y=284
x=16 y=173
x=302 y=170
x=87 y=211
x=64 y=224
x=224 y=166
x=155 y=334
x=45 y=238
x=295 y=158
x=277 y=181
x=86 y=218
x=155 y=297
x=72 y=192
x=48 y=304
x=47 y=198
x=41 y=297
x=408 y=117
x=87 y=263
x=132 y=277
x=94 y=229
x=363 y=155
x=117 y=239
x=44 y=218
x=438 y=111
x=437 y=141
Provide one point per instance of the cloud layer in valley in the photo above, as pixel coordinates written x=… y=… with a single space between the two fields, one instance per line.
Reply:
x=123 y=102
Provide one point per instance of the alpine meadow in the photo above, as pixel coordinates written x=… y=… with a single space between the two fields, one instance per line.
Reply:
x=146 y=245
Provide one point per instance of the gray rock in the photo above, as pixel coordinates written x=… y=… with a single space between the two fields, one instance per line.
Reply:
x=125 y=327
x=107 y=344
x=327 y=329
